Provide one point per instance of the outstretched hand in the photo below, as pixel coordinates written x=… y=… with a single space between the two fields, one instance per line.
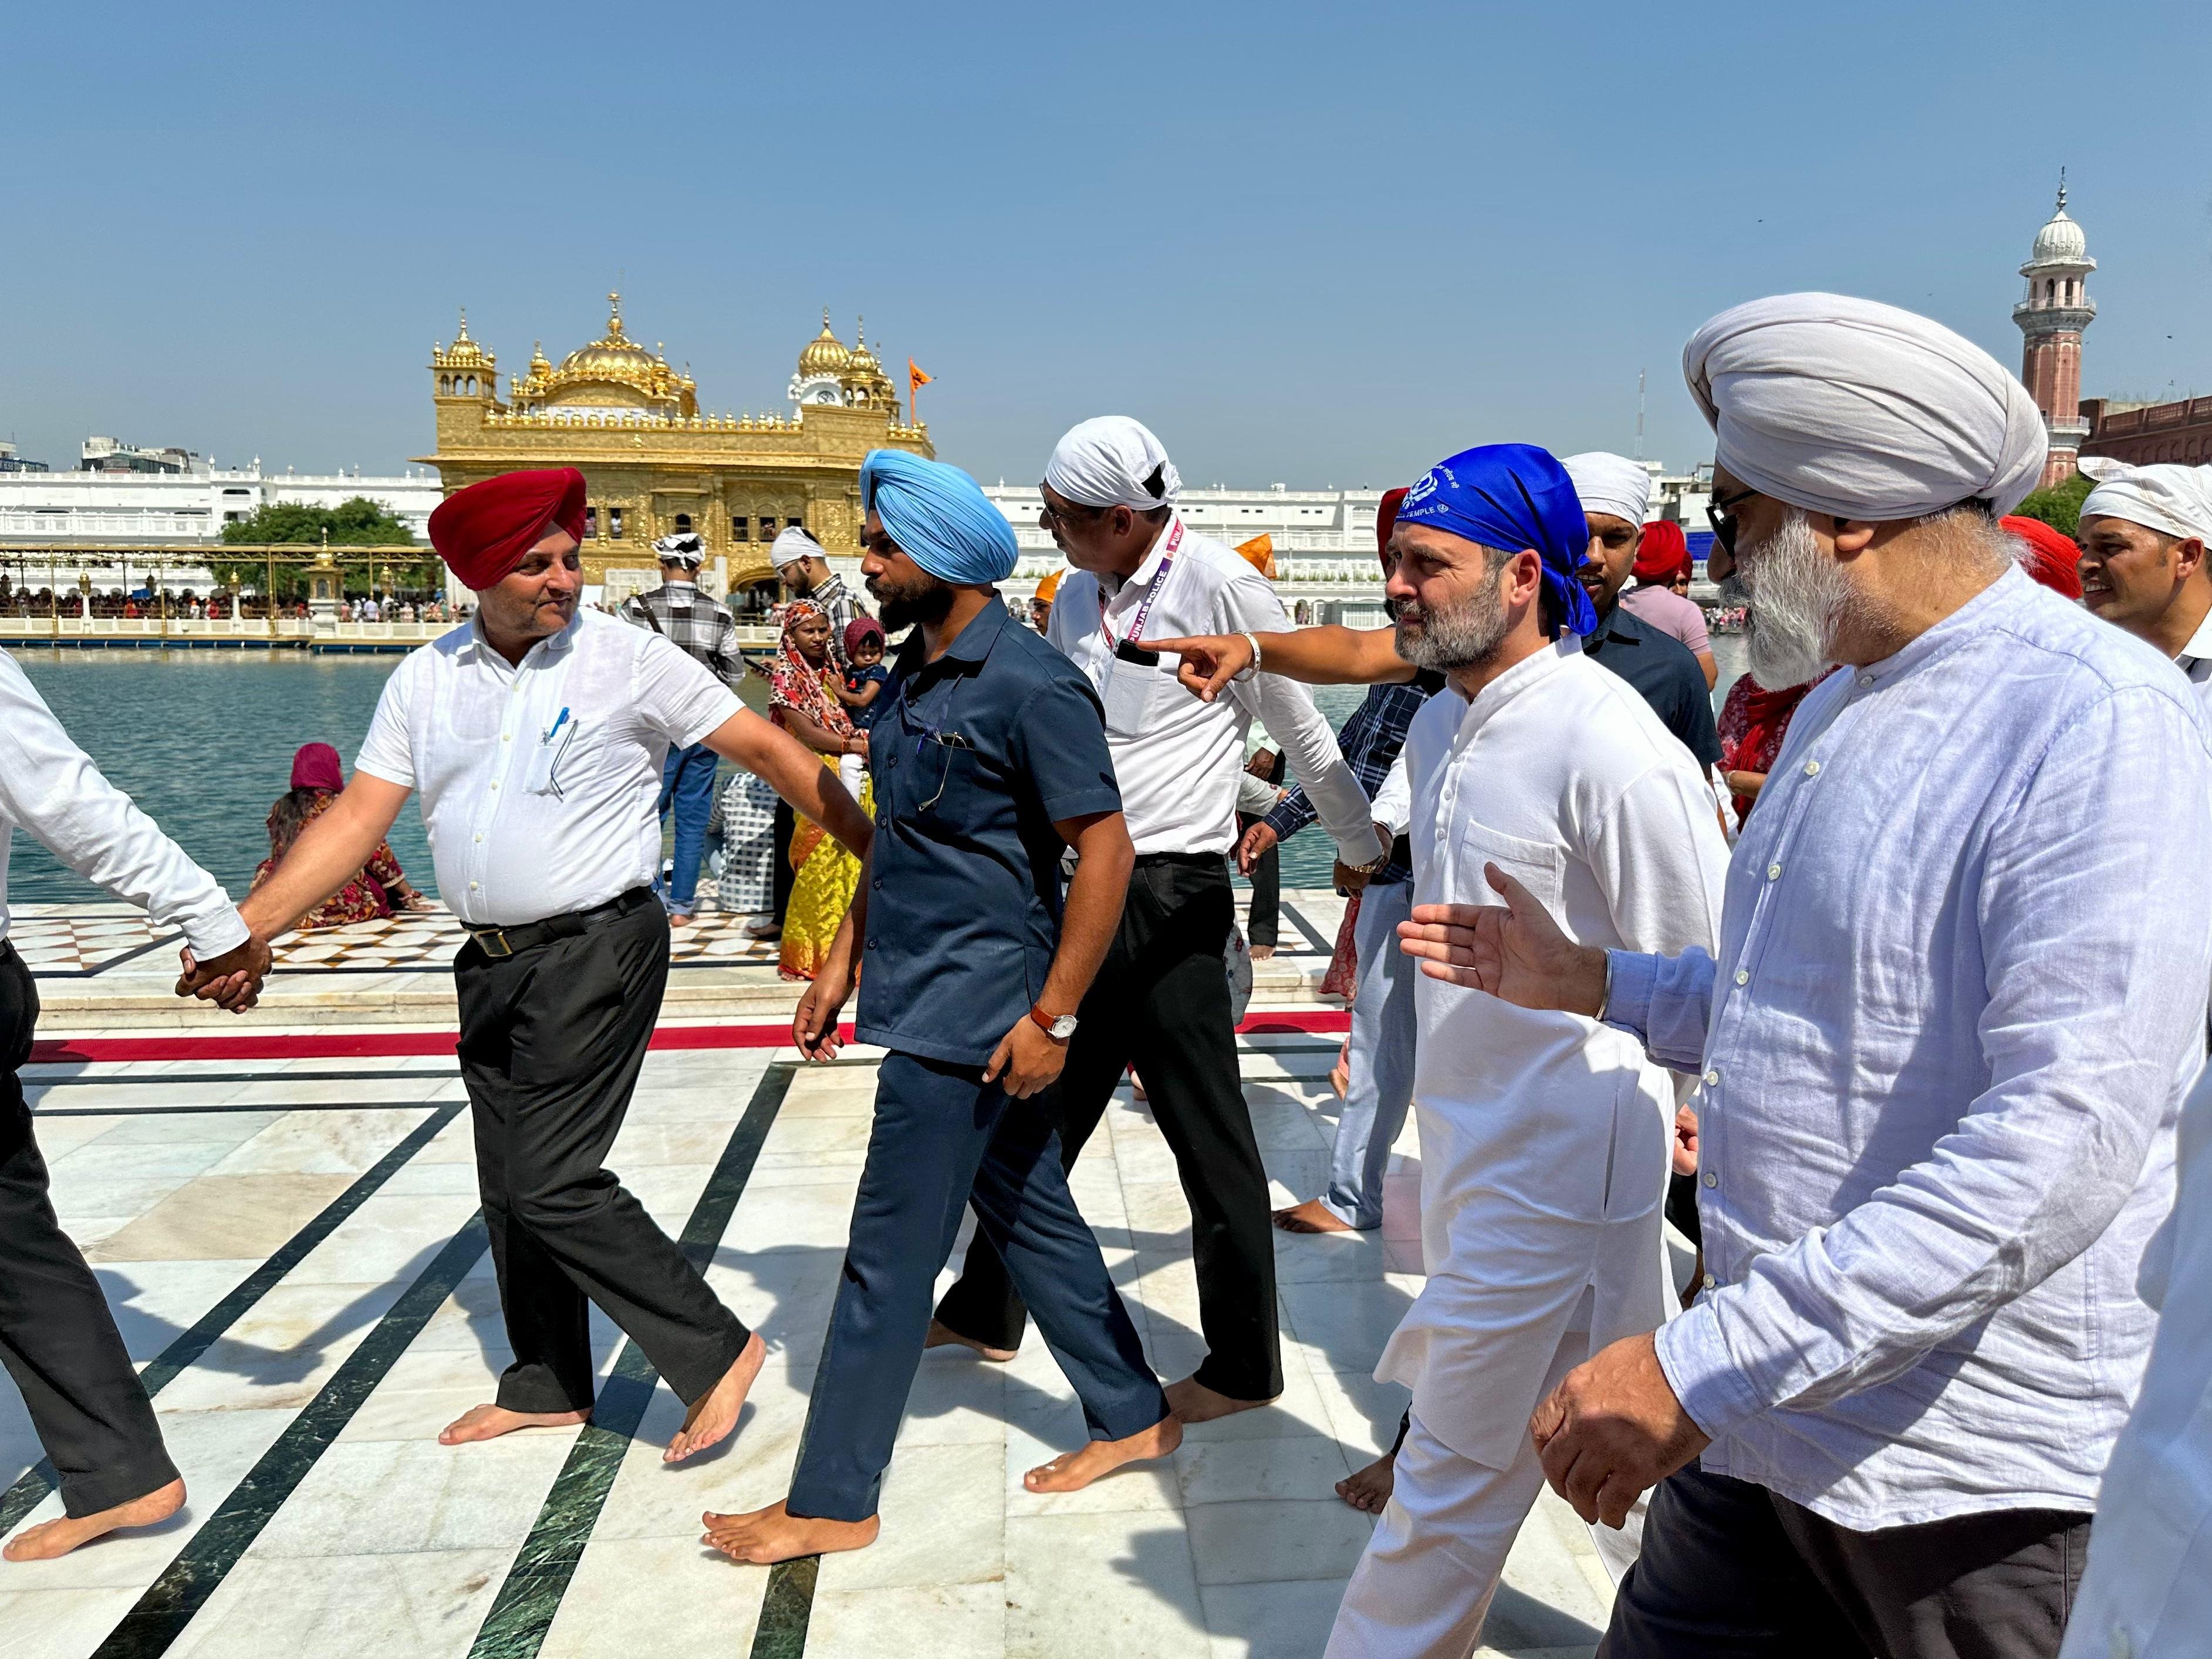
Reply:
x=232 y=981
x=1515 y=952
x=1207 y=661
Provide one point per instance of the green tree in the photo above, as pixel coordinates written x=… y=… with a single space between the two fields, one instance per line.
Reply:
x=357 y=522
x=2059 y=506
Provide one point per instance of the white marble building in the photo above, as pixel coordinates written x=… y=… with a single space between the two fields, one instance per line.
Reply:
x=194 y=505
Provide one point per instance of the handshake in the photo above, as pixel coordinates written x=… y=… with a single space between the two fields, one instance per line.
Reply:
x=231 y=981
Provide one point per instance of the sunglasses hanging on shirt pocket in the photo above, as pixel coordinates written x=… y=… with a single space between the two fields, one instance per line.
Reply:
x=554 y=743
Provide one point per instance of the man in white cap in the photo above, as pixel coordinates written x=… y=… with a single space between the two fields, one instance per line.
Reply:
x=2144 y=531
x=1938 y=1084
x=1161 y=999
x=806 y=573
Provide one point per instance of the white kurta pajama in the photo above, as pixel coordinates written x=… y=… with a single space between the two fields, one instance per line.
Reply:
x=1545 y=1136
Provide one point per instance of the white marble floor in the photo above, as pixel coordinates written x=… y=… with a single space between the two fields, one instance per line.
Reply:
x=181 y=1179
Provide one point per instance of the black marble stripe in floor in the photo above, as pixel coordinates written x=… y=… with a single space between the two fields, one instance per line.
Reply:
x=524 y=1610
x=30 y=1490
x=1326 y=946
x=162 y=1614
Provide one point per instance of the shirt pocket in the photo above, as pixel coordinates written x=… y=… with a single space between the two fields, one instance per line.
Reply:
x=1537 y=866
x=1129 y=694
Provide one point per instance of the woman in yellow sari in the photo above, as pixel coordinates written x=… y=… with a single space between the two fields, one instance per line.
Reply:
x=800 y=701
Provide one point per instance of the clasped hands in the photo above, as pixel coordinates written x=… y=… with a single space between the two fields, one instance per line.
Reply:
x=1613 y=1428
x=232 y=981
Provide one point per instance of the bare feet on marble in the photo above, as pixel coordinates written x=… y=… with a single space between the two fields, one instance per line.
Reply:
x=1072 y=1471
x=489 y=1422
x=944 y=1336
x=1192 y=1402
x=766 y=1536
x=52 y=1538
x=714 y=1414
x=1369 y=1489
x=1312 y=1217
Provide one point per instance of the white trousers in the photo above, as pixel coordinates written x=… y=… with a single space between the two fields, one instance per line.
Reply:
x=1423 y=1586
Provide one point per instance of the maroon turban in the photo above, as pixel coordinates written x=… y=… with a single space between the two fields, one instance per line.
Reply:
x=1660 y=552
x=2053 y=558
x=483 y=532
x=316 y=766
x=1386 y=520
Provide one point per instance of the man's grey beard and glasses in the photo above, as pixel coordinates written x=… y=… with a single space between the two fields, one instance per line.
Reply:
x=1798 y=597
x=1463 y=635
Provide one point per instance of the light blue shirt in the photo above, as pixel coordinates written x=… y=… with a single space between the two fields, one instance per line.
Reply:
x=1959 y=995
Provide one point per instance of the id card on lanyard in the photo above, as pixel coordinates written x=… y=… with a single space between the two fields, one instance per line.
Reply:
x=1131 y=674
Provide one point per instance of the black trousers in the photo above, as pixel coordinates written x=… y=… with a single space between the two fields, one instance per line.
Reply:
x=552 y=1039
x=58 y=1337
x=786 y=826
x=1730 y=1570
x=1263 y=925
x=1162 y=1000
x=940 y=1134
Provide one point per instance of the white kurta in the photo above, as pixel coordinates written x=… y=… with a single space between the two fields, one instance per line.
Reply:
x=1545 y=1136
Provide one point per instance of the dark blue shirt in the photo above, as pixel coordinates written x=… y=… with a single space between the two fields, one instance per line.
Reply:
x=1665 y=674
x=864 y=719
x=975 y=757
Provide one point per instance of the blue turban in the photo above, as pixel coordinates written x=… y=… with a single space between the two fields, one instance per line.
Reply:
x=939 y=515
x=1512 y=497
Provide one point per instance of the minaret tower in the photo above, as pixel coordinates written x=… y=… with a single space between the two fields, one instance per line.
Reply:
x=2051 y=318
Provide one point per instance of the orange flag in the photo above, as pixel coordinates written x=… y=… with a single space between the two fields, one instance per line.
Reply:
x=915 y=379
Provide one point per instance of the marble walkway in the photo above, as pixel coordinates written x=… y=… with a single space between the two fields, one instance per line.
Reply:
x=292 y=1250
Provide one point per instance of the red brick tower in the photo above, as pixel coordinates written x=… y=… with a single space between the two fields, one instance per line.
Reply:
x=2051 y=318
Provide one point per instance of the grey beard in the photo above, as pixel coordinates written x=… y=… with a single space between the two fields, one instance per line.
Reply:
x=1798 y=597
x=1467 y=636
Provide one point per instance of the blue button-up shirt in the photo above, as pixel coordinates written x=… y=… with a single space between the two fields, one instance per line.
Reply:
x=1370 y=740
x=1960 y=994
x=975 y=756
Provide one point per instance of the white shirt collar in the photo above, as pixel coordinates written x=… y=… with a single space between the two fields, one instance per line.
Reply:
x=551 y=645
x=2200 y=643
x=1143 y=574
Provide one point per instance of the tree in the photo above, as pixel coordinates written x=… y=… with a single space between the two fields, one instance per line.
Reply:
x=357 y=522
x=2060 y=505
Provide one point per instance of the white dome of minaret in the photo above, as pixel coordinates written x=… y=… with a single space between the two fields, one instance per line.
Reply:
x=2061 y=240
x=2051 y=316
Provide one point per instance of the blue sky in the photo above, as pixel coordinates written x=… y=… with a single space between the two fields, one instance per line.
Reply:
x=1314 y=244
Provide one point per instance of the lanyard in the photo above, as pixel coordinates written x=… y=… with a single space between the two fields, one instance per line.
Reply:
x=1151 y=592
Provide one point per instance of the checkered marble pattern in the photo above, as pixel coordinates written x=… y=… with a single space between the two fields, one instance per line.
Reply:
x=76 y=939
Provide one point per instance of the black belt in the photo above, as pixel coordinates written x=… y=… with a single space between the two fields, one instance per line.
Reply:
x=1193 y=861
x=500 y=943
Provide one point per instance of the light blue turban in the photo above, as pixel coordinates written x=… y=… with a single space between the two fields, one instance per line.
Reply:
x=939 y=515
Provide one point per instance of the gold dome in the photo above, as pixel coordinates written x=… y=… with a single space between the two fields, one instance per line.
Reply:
x=862 y=363
x=825 y=353
x=466 y=353
x=616 y=357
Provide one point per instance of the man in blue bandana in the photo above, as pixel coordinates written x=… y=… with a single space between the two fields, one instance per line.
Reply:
x=989 y=760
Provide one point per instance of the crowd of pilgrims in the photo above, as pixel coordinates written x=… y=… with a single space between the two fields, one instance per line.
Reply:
x=1889 y=988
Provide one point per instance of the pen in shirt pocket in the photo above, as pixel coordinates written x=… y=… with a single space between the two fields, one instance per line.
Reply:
x=553 y=730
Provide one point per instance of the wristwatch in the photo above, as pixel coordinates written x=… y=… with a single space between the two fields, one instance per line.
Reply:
x=1058 y=1027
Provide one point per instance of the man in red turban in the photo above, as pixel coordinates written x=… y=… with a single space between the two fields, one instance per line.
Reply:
x=1662 y=556
x=483 y=532
x=2054 y=558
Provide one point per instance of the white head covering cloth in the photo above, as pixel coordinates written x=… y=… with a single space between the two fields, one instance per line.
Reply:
x=1863 y=410
x=792 y=544
x=1112 y=461
x=683 y=548
x=1605 y=483
x=2176 y=500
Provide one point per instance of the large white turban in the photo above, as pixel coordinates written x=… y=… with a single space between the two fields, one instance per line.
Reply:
x=2176 y=500
x=1609 y=483
x=791 y=545
x=1861 y=410
x=1112 y=461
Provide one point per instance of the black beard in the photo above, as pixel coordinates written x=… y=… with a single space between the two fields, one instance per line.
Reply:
x=931 y=605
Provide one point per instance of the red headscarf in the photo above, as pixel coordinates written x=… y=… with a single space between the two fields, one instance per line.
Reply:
x=483 y=532
x=316 y=766
x=1661 y=552
x=2053 y=557
x=1386 y=520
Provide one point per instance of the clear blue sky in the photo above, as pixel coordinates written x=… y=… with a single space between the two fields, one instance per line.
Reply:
x=1312 y=244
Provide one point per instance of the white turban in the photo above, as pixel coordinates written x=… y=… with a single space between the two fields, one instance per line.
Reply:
x=2176 y=500
x=1112 y=461
x=683 y=548
x=1863 y=410
x=792 y=544
x=1609 y=483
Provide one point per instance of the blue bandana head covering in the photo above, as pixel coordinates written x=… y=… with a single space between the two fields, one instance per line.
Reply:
x=1511 y=496
x=939 y=515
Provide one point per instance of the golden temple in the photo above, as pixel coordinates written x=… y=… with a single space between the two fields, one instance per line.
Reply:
x=631 y=424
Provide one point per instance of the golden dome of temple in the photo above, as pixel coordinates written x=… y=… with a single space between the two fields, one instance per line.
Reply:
x=466 y=353
x=825 y=353
x=616 y=357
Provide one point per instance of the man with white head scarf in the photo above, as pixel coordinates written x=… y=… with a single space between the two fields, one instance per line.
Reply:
x=1941 y=1048
x=2144 y=531
x=1162 y=999
x=804 y=569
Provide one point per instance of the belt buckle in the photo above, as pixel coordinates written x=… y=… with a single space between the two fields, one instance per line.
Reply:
x=484 y=942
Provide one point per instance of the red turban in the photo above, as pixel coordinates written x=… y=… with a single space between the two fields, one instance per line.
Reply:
x=483 y=532
x=2053 y=559
x=1660 y=552
x=1386 y=520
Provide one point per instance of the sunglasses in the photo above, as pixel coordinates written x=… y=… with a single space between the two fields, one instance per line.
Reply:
x=1720 y=512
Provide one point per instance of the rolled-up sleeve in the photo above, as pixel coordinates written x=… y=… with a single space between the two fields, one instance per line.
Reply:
x=2095 y=924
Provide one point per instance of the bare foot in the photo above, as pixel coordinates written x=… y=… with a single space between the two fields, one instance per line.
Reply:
x=1312 y=1217
x=489 y=1422
x=1192 y=1402
x=942 y=1335
x=1261 y=952
x=681 y=918
x=1369 y=1489
x=1072 y=1471
x=774 y=1533
x=714 y=1414
x=765 y=931
x=52 y=1538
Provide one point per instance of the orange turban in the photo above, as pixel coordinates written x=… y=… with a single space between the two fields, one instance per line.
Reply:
x=1660 y=552
x=2053 y=557
x=1260 y=553
x=483 y=532
x=1048 y=587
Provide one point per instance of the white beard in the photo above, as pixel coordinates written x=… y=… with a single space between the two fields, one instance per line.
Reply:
x=1798 y=597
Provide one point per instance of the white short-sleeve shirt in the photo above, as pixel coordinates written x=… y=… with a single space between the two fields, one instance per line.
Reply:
x=541 y=781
